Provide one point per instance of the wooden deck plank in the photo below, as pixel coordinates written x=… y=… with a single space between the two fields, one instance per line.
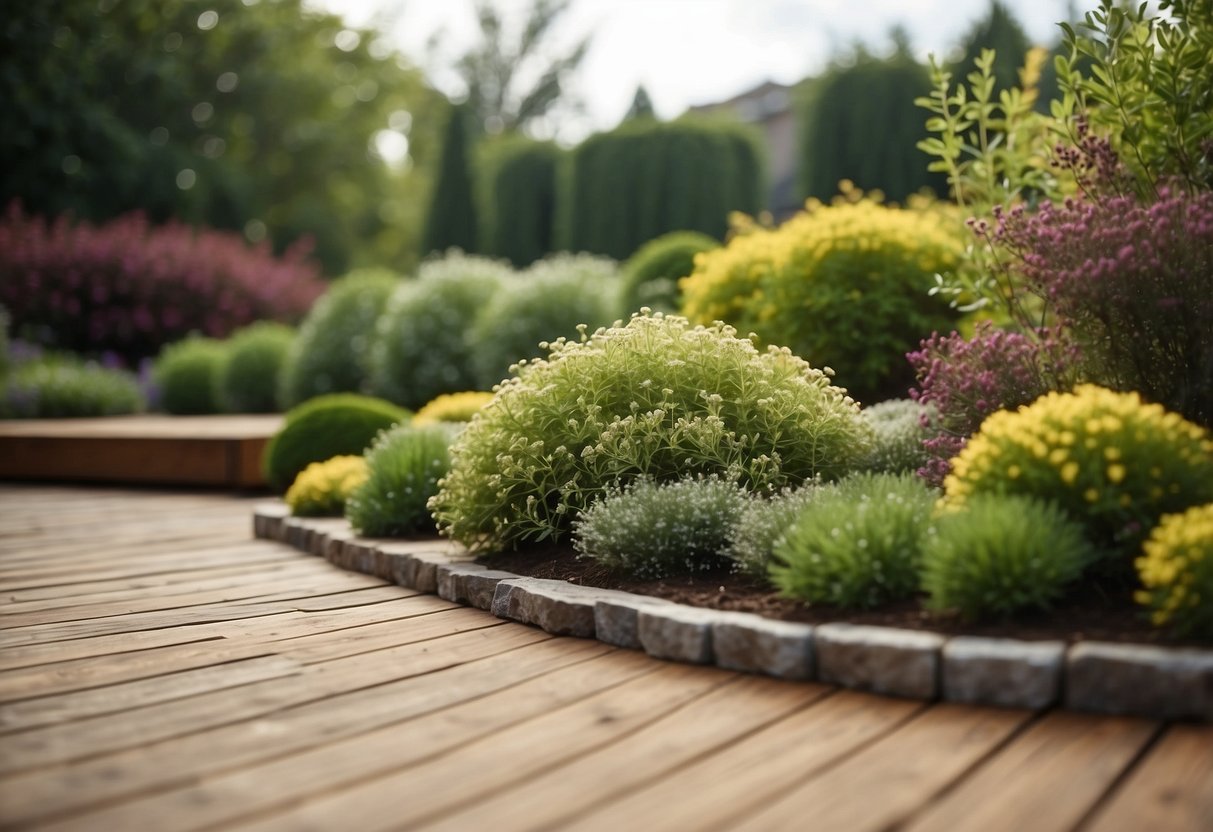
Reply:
x=1170 y=789
x=1050 y=778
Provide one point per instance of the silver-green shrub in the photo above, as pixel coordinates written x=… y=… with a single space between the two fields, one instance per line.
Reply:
x=652 y=530
x=900 y=425
x=421 y=342
x=857 y=543
x=403 y=466
x=541 y=304
x=655 y=398
x=762 y=525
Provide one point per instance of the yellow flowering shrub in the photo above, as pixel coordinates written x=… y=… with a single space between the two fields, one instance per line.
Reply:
x=1176 y=572
x=844 y=286
x=322 y=487
x=1111 y=461
x=452 y=407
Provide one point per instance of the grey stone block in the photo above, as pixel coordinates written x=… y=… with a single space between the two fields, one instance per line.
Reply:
x=557 y=607
x=676 y=632
x=267 y=520
x=1173 y=683
x=754 y=644
x=880 y=659
x=450 y=578
x=1002 y=671
x=616 y=618
x=295 y=533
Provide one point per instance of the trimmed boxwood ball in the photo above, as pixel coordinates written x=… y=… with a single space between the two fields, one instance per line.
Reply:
x=325 y=427
x=651 y=274
x=331 y=353
x=187 y=374
x=404 y=466
x=856 y=544
x=1001 y=554
x=248 y=377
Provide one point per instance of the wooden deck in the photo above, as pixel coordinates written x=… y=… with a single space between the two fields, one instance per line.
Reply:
x=220 y=451
x=162 y=670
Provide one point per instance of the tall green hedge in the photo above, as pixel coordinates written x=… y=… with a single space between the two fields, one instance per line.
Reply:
x=643 y=179
x=518 y=203
x=451 y=219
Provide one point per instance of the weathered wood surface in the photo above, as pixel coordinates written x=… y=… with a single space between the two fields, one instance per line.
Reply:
x=162 y=670
x=160 y=450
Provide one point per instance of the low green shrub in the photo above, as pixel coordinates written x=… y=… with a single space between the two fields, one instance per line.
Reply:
x=322 y=488
x=452 y=407
x=405 y=464
x=247 y=379
x=338 y=424
x=331 y=352
x=762 y=525
x=1001 y=554
x=901 y=426
x=857 y=543
x=655 y=398
x=61 y=386
x=543 y=303
x=1112 y=462
x=187 y=374
x=652 y=530
x=1176 y=571
x=421 y=346
x=652 y=273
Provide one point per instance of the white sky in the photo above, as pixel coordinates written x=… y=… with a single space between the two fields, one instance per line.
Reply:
x=689 y=52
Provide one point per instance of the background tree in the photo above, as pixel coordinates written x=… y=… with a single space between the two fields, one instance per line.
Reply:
x=451 y=220
x=642 y=105
x=1000 y=31
x=264 y=118
x=518 y=178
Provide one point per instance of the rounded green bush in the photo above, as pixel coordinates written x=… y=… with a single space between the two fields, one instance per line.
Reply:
x=404 y=465
x=248 y=377
x=652 y=530
x=331 y=352
x=338 y=424
x=762 y=525
x=901 y=426
x=652 y=273
x=1001 y=554
x=547 y=301
x=656 y=398
x=63 y=387
x=420 y=346
x=187 y=374
x=857 y=543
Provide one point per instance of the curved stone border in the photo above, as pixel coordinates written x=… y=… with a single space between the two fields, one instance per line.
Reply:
x=1161 y=682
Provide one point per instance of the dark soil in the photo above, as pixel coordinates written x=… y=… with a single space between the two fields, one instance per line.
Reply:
x=1090 y=612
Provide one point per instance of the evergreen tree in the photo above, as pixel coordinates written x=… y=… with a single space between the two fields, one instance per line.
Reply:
x=1000 y=31
x=642 y=105
x=451 y=221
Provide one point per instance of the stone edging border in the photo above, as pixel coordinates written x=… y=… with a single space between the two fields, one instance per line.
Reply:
x=1159 y=682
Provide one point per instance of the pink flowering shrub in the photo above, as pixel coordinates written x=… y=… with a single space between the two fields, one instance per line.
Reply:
x=967 y=379
x=129 y=287
x=1132 y=283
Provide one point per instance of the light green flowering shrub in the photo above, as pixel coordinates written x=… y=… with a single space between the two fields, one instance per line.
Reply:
x=541 y=304
x=857 y=543
x=900 y=426
x=404 y=466
x=655 y=398
x=1176 y=572
x=1001 y=554
x=1111 y=461
x=652 y=530
x=761 y=526
x=421 y=347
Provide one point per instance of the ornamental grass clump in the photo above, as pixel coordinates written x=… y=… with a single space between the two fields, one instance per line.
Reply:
x=857 y=543
x=655 y=398
x=247 y=380
x=1109 y=460
x=844 y=286
x=901 y=426
x=404 y=465
x=1001 y=554
x=653 y=530
x=322 y=488
x=421 y=348
x=761 y=526
x=452 y=407
x=58 y=386
x=1176 y=571
x=187 y=375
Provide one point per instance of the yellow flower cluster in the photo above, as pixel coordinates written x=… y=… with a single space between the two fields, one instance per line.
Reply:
x=322 y=488
x=452 y=407
x=1109 y=459
x=1176 y=571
